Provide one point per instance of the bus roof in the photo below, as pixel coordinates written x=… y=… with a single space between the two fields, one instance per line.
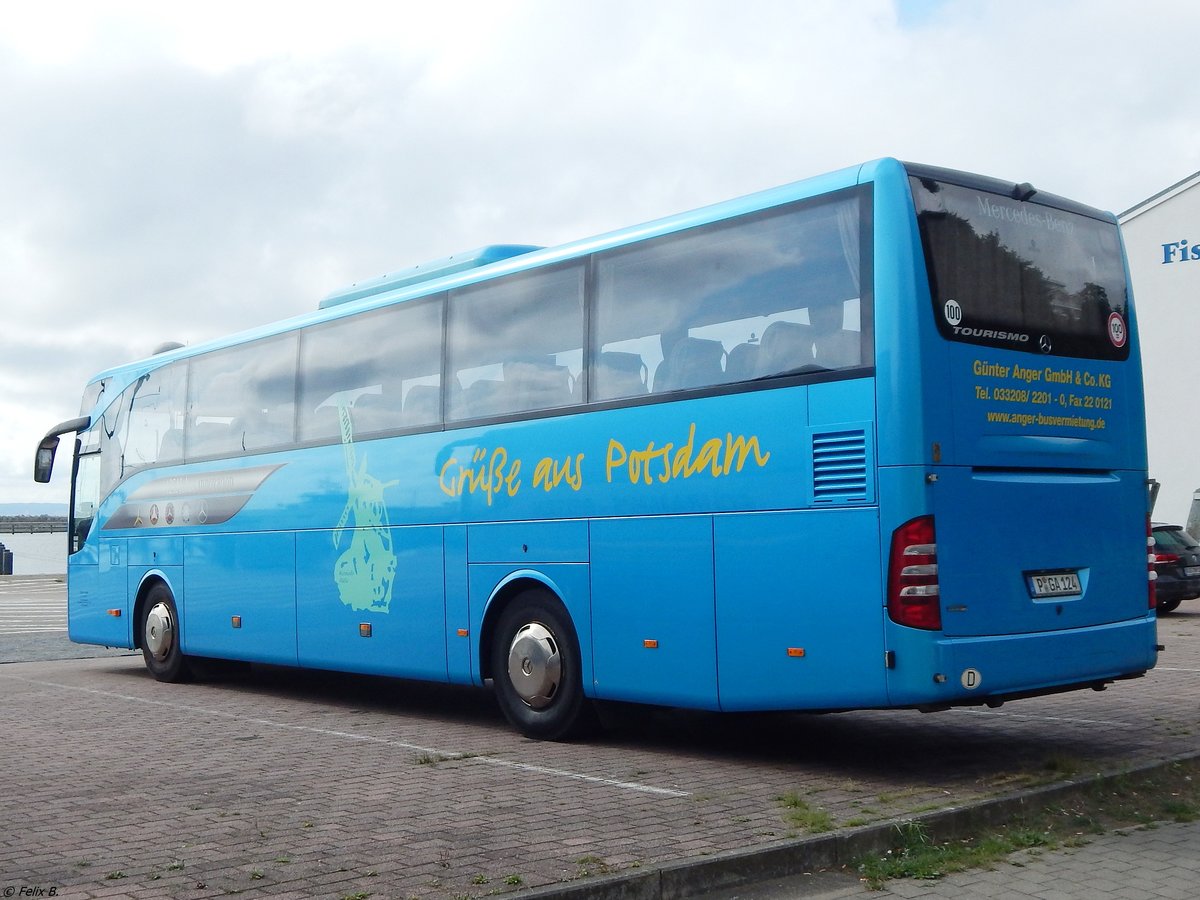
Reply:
x=447 y=265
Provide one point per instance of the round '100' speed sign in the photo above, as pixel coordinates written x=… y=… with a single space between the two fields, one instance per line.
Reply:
x=1116 y=330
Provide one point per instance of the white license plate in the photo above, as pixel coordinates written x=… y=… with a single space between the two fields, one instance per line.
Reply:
x=1191 y=571
x=1059 y=584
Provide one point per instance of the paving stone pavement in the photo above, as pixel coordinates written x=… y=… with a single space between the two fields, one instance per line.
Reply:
x=1163 y=861
x=298 y=784
x=1160 y=862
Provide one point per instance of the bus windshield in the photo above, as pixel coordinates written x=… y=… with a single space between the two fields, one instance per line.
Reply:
x=1023 y=275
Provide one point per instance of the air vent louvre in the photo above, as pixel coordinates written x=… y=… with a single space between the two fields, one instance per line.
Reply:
x=839 y=466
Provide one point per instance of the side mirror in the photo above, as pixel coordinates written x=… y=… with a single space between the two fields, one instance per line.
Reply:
x=43 y=462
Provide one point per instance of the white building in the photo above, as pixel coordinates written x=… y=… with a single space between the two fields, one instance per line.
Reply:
x=1162 y=238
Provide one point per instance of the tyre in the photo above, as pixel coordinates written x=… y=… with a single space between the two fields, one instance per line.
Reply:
x=160 y=636
x=1167 y=606
x=536 y=670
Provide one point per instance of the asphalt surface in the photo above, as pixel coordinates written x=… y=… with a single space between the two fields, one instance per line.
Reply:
x=274 y=782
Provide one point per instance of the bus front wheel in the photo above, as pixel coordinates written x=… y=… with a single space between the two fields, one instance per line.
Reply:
x=536 y=668
x=160 y=636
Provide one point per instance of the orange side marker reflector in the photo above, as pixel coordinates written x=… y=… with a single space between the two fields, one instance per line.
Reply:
x=462 y=632
x=795 y=651
x=236 y=621
x=364 y=630
x=115 y=613
x=650 y=644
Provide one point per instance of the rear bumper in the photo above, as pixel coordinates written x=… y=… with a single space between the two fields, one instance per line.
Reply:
x=939 y=671
x=1177 y=588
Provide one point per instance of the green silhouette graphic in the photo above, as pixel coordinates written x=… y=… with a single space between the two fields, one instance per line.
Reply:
x=365 y=570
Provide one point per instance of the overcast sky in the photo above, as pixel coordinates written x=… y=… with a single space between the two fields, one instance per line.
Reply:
x=176 y=175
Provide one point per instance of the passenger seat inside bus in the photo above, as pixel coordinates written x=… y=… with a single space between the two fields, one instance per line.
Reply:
x=208 y=438
x=481 y=398
x=838 y=349
x=691 y=362
x=786 y=346
x=621 y=374
x=742 y=362
x=171 y=448
x=374 y=412
x=536 y=384
x=833 y=346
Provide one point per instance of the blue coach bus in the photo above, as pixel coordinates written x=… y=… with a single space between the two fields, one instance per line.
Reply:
x=870 y=440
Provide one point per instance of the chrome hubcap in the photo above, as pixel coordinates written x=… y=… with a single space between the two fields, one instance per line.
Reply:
x=160 y=631
x=534 y=665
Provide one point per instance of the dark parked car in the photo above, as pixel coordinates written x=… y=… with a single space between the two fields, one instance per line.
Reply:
x=1177 y=562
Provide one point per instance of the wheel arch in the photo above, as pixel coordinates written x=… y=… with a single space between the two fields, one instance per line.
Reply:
x=502 y=595
x=149 y=581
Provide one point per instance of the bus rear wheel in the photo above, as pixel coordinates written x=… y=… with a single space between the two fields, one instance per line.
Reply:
x=160 y=636
x=536 y=669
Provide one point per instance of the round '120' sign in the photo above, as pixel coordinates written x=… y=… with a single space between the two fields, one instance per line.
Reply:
x=1116 y=330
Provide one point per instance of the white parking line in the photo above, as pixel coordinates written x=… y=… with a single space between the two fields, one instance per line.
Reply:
x=365 y=738
x=24 y=609
x=4 y=632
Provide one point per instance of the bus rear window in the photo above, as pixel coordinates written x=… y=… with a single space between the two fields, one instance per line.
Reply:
x=1020 y=274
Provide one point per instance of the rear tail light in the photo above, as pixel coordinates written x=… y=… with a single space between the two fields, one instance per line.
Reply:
x=1151 y=559
x=1165 y=558
x=914 y=598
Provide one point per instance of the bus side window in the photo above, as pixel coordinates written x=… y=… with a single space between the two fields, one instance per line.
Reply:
x=321 y=422
x=147 y=414
x=515 y=343
x=242 y=400
x=422 y=405
x=706 y=293
x=258 y=429
x=364 y=363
